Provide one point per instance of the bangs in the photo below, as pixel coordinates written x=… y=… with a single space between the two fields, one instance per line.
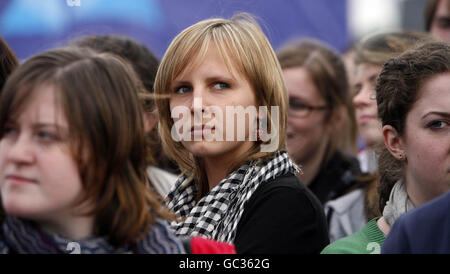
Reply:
x=15 y=98
x=188 y=51
x=15 y=102
x=184 y=54
x=226 y=44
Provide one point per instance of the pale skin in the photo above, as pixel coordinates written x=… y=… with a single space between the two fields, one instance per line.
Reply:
x=384 y=226
x=39 y=177
x=366 y=111
x=425 y=144
x=308 y=137
x=440 y=26
x=215 y=85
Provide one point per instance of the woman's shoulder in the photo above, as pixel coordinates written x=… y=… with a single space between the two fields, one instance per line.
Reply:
x=284 y=213
x=284 y=183
x=367 y=240
x=286 y=190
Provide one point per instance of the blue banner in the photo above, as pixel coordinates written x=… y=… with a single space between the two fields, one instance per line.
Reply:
x=31 y=26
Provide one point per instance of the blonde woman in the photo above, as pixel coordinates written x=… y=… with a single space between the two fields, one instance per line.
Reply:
x=238 y=183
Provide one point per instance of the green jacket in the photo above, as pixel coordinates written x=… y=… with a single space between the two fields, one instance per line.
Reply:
x=367 y=240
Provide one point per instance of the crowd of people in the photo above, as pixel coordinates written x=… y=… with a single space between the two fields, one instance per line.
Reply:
x=229 y=145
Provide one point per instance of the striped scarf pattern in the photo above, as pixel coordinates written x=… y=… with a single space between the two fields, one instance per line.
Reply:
x=23 y=237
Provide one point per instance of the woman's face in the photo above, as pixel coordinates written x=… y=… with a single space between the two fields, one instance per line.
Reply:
x=440 y=26
x=307 y=133
x=426 y=141
x=365 y=104
x=206 y=91
x=39 y=179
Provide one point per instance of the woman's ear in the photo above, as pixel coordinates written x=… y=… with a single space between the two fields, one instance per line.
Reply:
x=393 y=143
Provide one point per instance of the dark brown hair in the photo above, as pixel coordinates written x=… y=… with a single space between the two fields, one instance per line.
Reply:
x=8 y=62
x=145 y=63
x=330 y=77
x=99 y=97
x=397 y=90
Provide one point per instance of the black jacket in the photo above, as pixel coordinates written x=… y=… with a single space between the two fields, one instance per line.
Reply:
x=285 y=211
x=335 y=178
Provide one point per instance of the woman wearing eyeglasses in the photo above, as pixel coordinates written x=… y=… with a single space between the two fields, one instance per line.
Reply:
x=321 y=124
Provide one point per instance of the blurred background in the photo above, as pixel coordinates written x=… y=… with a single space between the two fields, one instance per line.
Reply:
x=31 y=26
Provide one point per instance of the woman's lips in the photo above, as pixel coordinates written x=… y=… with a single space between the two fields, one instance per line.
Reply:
x=363 y=119
x=17 y=179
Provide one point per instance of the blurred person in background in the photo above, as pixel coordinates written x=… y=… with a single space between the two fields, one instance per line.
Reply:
x=321 y=123
x=437 y=19
x=161 y=170
x=371 y=53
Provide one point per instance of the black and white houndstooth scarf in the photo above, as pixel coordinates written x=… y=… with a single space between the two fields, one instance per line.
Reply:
x=217 y=215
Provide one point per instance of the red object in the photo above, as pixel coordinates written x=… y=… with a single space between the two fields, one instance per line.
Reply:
x=201 y=245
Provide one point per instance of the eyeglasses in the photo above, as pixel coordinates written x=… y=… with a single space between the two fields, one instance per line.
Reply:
x=302 y=110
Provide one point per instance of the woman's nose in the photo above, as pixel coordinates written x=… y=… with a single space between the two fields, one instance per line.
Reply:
x=20 y=150
x=361 y=98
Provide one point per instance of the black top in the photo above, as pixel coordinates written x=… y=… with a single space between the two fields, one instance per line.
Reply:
x=336 y=178
x=282 y=217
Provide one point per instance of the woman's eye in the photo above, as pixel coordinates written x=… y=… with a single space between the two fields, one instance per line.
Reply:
x=438 y=124
x=356 y=89
x=182 y=89
x=443 y=23
x=46 y=136
x=221 y=85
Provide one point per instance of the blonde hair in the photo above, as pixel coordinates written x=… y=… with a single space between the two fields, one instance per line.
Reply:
x=243 y=46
